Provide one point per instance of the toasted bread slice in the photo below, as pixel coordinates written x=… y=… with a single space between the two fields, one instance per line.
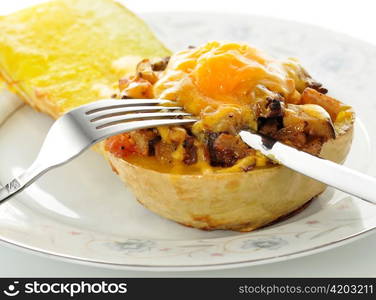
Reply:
x=65 y=53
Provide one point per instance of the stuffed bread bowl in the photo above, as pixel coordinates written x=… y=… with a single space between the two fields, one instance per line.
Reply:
x=203 y=175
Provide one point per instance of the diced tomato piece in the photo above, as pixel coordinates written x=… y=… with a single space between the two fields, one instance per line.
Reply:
x=121 y=145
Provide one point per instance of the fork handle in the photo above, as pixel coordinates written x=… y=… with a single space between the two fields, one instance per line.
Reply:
x=18 y=183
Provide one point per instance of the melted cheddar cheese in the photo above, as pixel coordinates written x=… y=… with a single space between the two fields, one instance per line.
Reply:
x=227 y=76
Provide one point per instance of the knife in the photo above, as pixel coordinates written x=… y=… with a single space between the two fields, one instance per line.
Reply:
x=328 y=172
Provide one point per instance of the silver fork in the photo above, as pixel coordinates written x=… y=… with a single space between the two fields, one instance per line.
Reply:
x=86 y=125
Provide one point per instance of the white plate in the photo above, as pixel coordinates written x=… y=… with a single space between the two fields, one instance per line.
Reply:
x=83 y=212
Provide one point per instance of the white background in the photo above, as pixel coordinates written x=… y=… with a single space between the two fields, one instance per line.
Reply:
x=355 y=18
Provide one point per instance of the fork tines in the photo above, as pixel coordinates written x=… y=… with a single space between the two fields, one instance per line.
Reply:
x=107 y=113
x=113 y=104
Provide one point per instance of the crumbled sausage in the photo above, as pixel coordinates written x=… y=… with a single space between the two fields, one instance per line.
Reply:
x=269 y=107
x=142 y=140
x=270 y=126
x=151 y=145
x=190 y=155
x=163 y=152
x=274 y=107
x=225 y=149
x=317 y=86
x=161 y=64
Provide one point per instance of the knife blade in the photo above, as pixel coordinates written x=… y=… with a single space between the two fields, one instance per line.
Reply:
x=340 y=177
